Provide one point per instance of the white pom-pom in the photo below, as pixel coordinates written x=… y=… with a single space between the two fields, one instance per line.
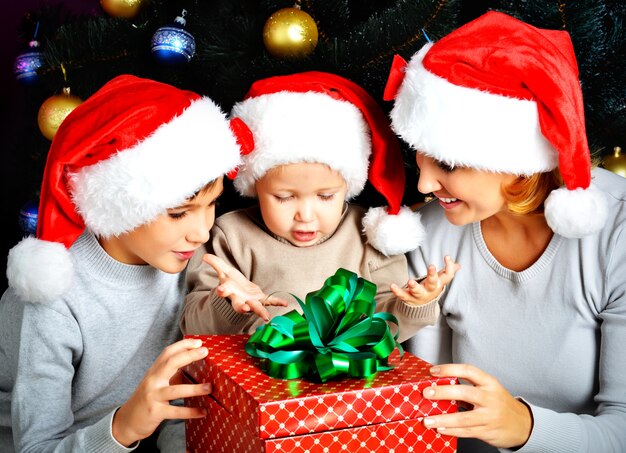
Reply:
x=576 y=213
x=393 y=234
x=39 y=271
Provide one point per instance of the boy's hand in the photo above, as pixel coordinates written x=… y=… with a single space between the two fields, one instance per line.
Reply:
x=244 y=295
x=150 y=404
x=420 y=293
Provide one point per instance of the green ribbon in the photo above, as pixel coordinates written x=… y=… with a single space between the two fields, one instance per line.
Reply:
x=337 y=334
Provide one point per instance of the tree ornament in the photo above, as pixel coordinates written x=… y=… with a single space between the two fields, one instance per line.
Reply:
x=126 y=9
x=290 y=33
x=173 y=44
x=616 y=163
x=27 y=63
x=54 y=110
x=28 y=218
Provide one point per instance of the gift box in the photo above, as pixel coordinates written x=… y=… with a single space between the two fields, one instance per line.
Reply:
x=249 y=411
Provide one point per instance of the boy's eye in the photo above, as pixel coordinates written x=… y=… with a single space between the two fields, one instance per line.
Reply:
x=177 y=215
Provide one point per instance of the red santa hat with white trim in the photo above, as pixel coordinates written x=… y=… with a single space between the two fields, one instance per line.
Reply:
x=132 y=150
x=324 y=118
x=501 y=95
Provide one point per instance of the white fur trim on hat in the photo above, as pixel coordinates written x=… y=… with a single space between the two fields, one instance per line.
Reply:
x=138 y=184
x=393 y=234
x=325 y=130
x=576 y=213
x=503 y=133
x=39 y=270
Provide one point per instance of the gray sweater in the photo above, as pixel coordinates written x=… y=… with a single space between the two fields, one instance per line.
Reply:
x=75 y=360
x=553 y=334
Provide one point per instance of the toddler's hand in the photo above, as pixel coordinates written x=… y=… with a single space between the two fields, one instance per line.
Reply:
x=420 y=293
x=244 y=295
x=150 y=404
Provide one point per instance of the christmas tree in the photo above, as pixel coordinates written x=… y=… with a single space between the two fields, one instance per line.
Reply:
x=228 y=44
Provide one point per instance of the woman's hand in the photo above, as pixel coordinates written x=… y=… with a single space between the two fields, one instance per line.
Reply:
x=150 y=404
x=244 y=295
x=496 y=416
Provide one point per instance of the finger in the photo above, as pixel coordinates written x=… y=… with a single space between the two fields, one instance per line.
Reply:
x=183 y=413
x=468 y=372
x=450 y=269
x=415 y=289
x=174 y=392
x=431 y=282
x=400 y=292
x=185 y=344
x=220 y=266
x=466 y=419
x=459 y=392
x=259 y=309
x=169 y=365
x=274 y=301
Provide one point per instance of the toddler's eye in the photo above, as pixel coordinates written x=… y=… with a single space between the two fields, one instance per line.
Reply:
x=282 y=199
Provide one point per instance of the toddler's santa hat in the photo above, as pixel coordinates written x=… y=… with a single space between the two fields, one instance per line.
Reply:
x=324 y=118
x=501 y=95
x=131 y=151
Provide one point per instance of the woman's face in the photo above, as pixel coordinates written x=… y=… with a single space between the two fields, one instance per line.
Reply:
x=466 y=195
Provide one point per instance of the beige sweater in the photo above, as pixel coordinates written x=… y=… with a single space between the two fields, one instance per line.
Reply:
x=240 y=238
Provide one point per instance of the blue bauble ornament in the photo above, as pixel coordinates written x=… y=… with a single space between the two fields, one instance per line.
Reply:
x=28 y=218
x=27 y=63
x=173 y=44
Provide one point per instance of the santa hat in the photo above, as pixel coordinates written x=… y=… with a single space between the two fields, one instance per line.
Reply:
x=131 y=151
x=324 y=118
x=501 y=95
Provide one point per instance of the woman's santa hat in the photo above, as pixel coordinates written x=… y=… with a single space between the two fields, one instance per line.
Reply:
x=503 y=96
x=324 y=118
x=123 y=157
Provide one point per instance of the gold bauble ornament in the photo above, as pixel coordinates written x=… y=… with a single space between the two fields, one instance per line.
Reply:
x=290 y=33
x=616 y=163
x=126 y=9
x=54 y=110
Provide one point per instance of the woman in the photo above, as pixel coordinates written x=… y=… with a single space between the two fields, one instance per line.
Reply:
x=536 y=323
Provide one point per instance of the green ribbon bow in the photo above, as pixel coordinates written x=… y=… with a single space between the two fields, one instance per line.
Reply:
x=337 y=334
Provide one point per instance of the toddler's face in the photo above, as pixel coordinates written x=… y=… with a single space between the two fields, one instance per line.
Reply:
x=301 y=203
x=168 y=242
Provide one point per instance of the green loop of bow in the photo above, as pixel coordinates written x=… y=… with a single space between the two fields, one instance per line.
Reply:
x=337 y=334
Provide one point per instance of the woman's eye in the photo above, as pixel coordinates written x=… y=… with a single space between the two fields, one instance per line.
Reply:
x=326 y=196
x=445 y=167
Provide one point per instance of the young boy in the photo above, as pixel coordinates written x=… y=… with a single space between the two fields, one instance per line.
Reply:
x=89 y=324
x=316 y=134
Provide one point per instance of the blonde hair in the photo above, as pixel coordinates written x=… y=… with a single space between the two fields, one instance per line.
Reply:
x=526 y=194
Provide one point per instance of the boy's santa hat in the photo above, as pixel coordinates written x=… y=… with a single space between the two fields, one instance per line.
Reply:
x=131 y=151
x=501 y=95
x=324 y=118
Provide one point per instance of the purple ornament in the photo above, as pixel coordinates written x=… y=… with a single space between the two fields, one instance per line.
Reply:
x=27 y=63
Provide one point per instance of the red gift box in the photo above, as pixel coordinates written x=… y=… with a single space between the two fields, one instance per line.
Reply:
x=249 y=411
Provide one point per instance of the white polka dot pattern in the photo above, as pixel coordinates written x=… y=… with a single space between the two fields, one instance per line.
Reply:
x=252 y=412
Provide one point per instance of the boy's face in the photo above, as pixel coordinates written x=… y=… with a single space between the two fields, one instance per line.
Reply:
x=301 y=203
x=168 y=242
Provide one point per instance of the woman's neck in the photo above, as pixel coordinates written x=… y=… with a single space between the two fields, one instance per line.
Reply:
x=516 y=241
